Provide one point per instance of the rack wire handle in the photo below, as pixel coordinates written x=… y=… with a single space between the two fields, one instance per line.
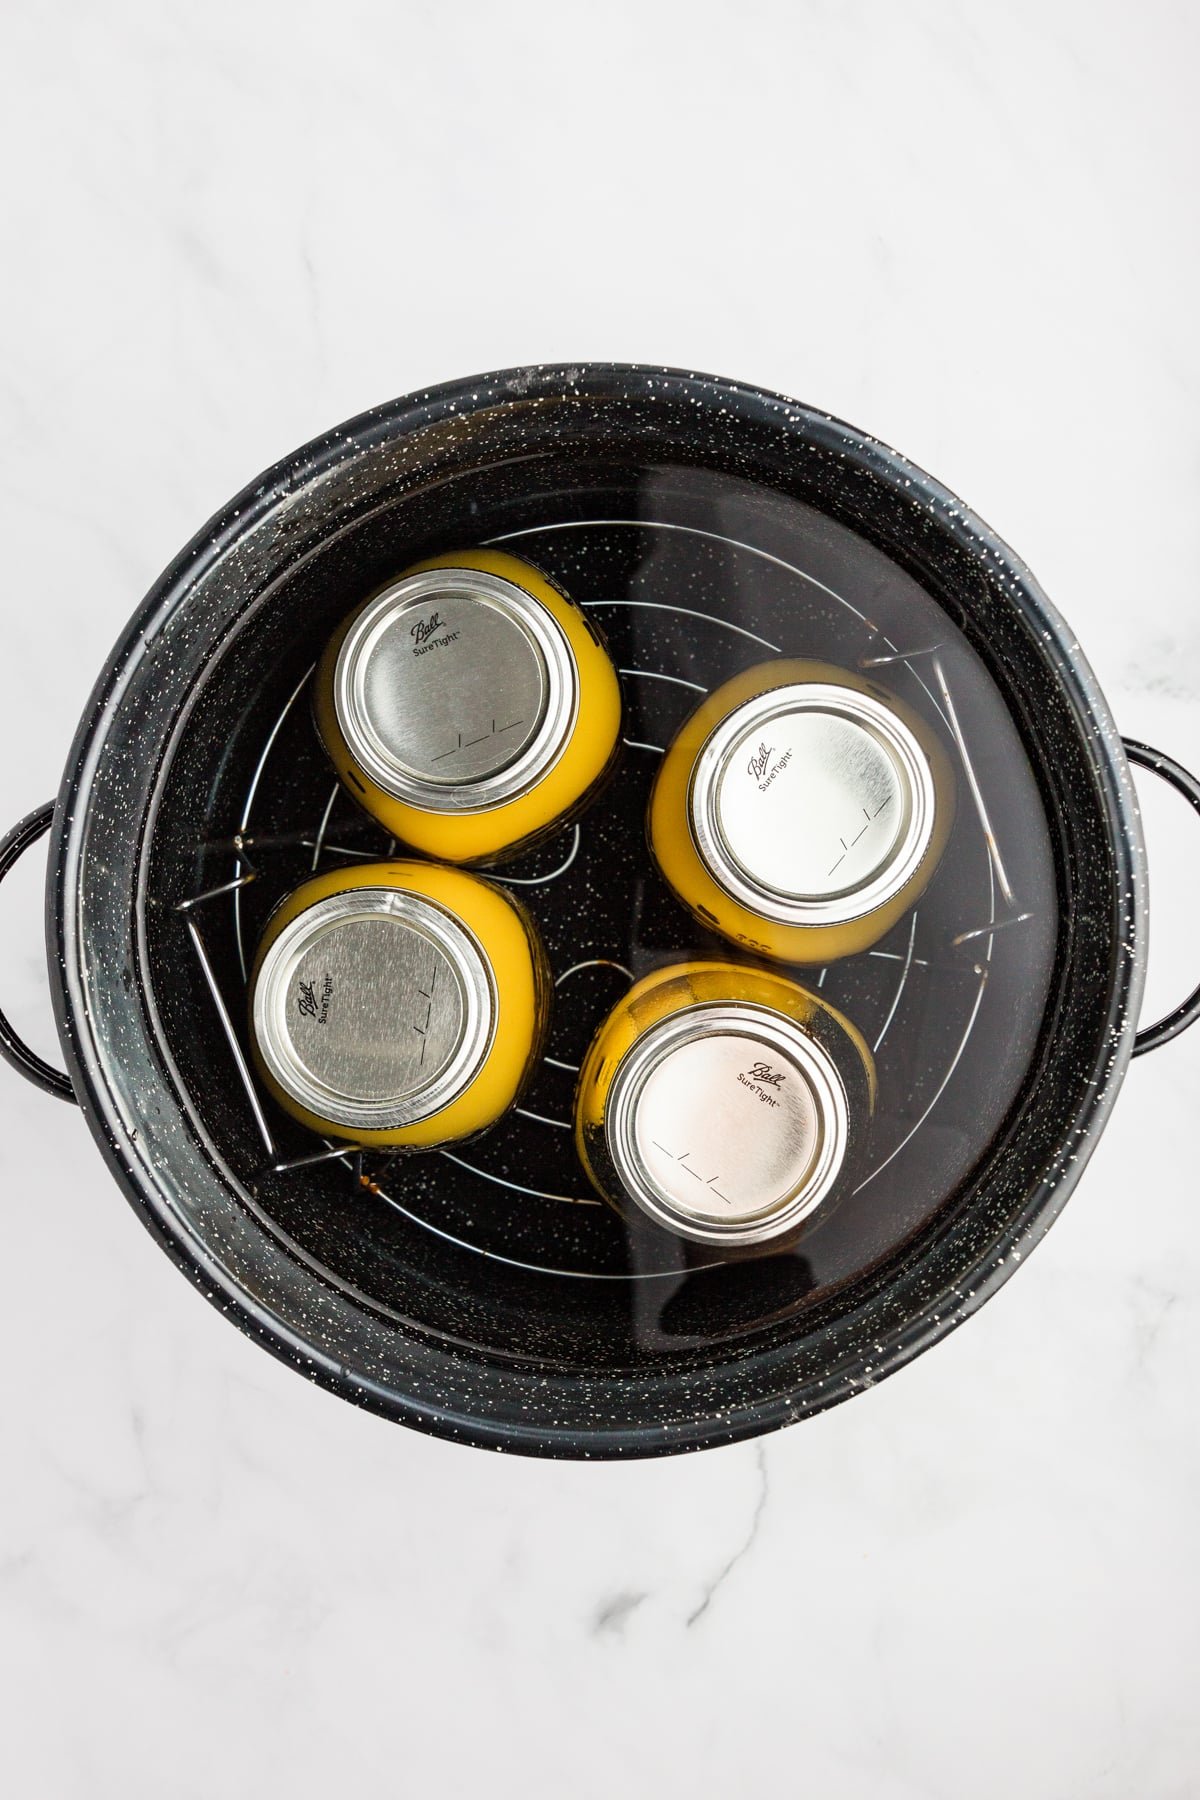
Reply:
x=1185 y=783
x=13 y=1049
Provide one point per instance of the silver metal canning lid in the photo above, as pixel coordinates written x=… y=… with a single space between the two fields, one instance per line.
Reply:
x=727 y=1124
x=374 y=1009
x=812 y=804
x=455 y=690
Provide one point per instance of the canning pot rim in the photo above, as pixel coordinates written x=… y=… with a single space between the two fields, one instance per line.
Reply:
x=933 y=1313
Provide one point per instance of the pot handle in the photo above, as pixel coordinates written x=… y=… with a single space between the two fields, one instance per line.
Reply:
x=26 y=1061
x=1188 y=1011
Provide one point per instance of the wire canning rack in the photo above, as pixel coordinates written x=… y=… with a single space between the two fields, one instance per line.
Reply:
x=683 y=607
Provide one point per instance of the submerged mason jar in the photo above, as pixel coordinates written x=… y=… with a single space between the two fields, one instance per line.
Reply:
x=724 y=1103
x=398 y=1004
x=801 y=810
x=470 y=706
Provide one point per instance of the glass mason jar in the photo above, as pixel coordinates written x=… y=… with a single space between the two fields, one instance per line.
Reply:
x=801 y=811
x=398 y=1004
x=723 y=1102
x=470 y=706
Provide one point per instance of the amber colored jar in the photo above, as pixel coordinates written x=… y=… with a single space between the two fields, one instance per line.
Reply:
x=398 y=1004
x=725 y=1103
x=470 y=707
x=801 y=811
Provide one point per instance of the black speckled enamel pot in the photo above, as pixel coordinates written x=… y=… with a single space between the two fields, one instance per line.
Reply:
x=399 y=1312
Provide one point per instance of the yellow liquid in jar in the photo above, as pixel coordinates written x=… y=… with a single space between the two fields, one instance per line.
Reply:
x=520 y=979
x=493 y=833
x=656 y=999
x=674 y=848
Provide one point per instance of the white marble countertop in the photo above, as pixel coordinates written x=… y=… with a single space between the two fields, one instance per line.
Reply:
x=970 y=229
